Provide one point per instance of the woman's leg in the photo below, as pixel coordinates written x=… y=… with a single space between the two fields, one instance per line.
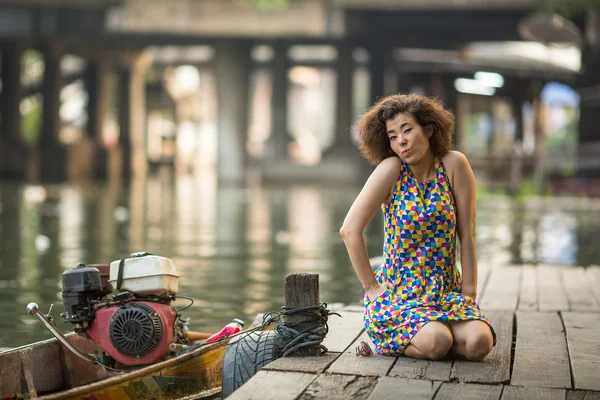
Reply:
x=432 y=341
x=473 y=340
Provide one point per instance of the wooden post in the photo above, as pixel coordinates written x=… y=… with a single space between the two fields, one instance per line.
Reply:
x=302 y=290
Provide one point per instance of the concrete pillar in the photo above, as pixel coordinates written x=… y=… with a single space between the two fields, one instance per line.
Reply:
x=84 y=156
x=378 y=61
x=132 y=119
x=539 y=173
x=279 y=139
x=588 y=87
x=124 y=99
x=342 y=145
x=516 y=157
x=14 y=155
x=97 y=88
x=51 y=151
x=233 y=67
x=442 y=87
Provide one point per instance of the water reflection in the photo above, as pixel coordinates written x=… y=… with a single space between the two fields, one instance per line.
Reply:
x=234 y=246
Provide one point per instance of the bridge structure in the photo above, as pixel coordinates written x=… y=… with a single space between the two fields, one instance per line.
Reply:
x=401 y=45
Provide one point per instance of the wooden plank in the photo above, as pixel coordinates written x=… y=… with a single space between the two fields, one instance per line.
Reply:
x=343 y=330
x=453 y=391
x=483 y=277
x=412 y=368
x=341 y=387
x=413 y=389
x=528 y=295
x=360 y=308
x=350 y=363
x=593 y=276
x=310 y=364
x=584 y=348
x=579 y=292
x=501 y=292
x=531 y=393
x=582 y=395
x=11 y=368
x=540 y=342
x=273 y=385
x=495 y=368
x=551 y=291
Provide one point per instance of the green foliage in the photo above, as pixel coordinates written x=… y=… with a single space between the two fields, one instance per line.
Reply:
x=568 y=8
x=265 y=5
x=31 y=120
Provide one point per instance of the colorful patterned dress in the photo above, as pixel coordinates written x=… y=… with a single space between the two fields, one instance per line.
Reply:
x=419 y=260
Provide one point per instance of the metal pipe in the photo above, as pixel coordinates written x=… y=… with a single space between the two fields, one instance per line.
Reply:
x=33 y=309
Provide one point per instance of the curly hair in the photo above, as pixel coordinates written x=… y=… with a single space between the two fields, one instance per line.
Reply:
x=371 y=132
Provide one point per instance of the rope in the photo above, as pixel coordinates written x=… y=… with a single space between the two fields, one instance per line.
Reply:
x=291 y=341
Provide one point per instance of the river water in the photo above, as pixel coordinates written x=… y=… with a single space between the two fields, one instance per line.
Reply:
x=233 y=247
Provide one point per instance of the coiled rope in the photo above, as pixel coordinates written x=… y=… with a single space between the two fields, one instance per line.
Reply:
x=291 y=341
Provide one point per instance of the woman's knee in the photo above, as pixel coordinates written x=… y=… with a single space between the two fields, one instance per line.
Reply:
x=436 y=342
x=478 y=345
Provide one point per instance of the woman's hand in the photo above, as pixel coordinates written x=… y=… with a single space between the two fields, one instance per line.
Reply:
x=469 y=293
x=378 y=289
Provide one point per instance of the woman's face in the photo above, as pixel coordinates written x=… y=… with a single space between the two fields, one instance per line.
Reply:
x=407 y=138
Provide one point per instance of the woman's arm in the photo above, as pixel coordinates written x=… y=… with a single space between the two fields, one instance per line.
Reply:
x=376 y=191
x=464 y=196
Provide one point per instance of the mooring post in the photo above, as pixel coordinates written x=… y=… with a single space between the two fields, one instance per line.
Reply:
x=302 y=290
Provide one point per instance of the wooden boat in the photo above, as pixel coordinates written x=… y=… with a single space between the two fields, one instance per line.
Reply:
x=48 y=370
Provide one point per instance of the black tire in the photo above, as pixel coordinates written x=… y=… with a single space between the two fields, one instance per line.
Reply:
x=245 y=356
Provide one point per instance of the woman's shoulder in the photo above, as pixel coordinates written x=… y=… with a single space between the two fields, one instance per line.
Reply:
x=388 y=170
x=390 y=164
x=455 y=161
x=456 y=164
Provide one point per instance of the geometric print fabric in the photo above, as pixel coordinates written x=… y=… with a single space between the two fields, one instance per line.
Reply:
x=419 y=260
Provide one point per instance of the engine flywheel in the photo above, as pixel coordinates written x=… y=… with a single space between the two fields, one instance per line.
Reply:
x=135 y=330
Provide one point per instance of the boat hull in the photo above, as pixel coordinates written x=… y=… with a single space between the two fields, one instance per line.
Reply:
x=196 y=374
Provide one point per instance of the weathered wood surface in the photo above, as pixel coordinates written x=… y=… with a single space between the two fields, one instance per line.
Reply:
x=350 y=363
x=528 y=296
x=302 y=290
x=273 y=385
x=541 y=356
x=551 y=290
x=582 y=395
x=502 y=290
x=454 y=391
x=556 y=354
x=412 y=368
x=593 y=275
x=483 y=278
x=532 y=393
x=343 y=330
x=495 y=368
x=394 y=388
x=311 y=364
x=579 y=292
x=360 y=308
x=333 y=387
x=583 y=339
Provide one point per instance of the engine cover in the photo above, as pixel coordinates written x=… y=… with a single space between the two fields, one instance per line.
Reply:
x=138 y=333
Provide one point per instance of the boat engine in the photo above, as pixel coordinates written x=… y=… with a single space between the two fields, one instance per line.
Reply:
x=136 y=325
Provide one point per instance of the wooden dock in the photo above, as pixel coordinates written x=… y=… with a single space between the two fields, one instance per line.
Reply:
x=547 y=321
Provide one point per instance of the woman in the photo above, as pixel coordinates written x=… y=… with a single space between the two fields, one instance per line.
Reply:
x=415 y=302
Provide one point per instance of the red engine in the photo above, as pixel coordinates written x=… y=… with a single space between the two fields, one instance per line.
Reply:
x=133 y=330
x=136 y=333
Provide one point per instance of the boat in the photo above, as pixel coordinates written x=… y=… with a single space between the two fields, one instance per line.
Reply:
x=128 y=343
x=49 y=370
